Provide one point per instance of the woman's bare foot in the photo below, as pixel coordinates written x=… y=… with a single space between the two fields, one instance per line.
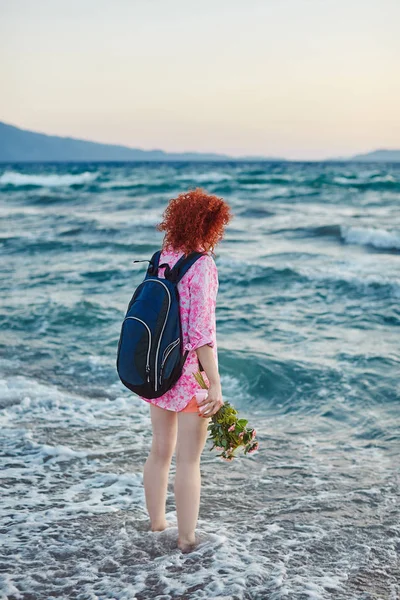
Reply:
x=187 y=545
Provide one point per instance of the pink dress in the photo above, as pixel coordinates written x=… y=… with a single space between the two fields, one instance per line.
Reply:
x=198 y=290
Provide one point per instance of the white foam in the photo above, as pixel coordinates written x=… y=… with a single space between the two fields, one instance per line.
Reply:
x=21 y=395
x=364 y=178
x=7 y=588
x=211 y=177
x=273 y=528
x=17 y=179
x=368 y=236
x=60 y=452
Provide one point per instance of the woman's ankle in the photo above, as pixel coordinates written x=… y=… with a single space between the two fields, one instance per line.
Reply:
x=159 y=526
x=187 y=544
x=186 y=539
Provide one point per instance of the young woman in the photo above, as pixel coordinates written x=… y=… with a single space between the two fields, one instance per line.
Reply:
x=193 y=221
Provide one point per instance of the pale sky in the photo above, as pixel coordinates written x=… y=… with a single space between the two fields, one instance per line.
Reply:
x=302 y=79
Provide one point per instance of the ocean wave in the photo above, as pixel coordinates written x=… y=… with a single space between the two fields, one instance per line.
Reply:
x=369 y=236
x=381 y=239
x=368 y=181
x=266 y=179
x=352 y=282
x=255 y=212
x=257 y=274
x=51 y=180
x=282 y=385
x=349 y=279
x=71 y=241
x=319 y=180
x=210 y=177
x=143 y=188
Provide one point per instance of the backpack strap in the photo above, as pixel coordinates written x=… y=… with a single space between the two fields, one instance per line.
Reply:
x=154 y=263
x=182 y=266
x=177 y=272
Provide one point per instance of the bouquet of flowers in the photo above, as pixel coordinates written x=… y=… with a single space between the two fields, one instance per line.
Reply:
x=227 y=431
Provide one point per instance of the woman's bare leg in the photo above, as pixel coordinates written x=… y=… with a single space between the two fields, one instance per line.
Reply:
x=156 y=468
x=192 y=436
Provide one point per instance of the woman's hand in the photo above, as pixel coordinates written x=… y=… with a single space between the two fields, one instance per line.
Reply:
x=213 y=402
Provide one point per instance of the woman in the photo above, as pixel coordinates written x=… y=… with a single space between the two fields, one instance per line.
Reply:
x=192 y=221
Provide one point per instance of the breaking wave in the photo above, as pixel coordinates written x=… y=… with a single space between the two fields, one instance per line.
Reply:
x=50 y=180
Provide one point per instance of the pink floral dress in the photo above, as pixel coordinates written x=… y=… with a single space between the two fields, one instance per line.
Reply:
x=198 y=290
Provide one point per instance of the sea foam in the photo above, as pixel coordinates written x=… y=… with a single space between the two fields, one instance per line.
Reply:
x=50 y=180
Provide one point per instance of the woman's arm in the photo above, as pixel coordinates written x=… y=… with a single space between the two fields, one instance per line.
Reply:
x=203 y=287
x=214 y=399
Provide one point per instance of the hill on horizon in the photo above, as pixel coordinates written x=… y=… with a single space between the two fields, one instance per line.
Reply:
x=378 y=156
x=21 y=145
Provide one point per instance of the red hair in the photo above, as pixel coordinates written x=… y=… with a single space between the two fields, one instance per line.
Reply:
x=194 y=220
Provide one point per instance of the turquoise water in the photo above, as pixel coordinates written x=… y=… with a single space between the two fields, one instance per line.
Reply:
x=308 y=336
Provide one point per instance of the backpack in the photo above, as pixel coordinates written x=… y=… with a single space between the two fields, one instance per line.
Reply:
x=149 y=355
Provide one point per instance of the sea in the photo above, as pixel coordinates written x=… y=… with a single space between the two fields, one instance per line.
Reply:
x=309 y=353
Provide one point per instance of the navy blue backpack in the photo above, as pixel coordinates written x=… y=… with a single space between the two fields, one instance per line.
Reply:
x=149 y=357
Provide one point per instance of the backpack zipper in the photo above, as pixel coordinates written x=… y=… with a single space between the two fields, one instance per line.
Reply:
x=162 y=331
x=165 y=356
x=148 y=349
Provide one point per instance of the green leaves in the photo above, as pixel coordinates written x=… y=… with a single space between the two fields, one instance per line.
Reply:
x=227 y=432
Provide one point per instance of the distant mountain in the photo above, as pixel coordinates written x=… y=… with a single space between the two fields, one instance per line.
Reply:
x=20 y=145
x=378 y=156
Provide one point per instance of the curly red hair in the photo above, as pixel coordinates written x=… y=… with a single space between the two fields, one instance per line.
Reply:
x=194 y=220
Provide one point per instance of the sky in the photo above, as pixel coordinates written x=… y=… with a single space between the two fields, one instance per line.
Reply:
x=300 y=79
